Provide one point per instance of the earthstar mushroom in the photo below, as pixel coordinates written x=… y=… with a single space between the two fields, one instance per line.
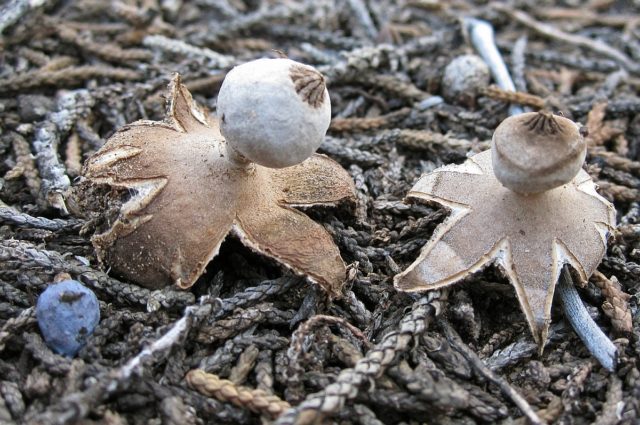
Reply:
x=531 y=235
x=178 y=190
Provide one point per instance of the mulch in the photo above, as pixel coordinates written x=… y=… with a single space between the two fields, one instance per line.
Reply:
x=72 y=73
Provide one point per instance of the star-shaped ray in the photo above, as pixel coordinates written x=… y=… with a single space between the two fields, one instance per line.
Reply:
x=531 y=237
x=185 y=196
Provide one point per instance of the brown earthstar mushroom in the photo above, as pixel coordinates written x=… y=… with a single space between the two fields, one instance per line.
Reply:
x=529 y=236
x=184 y=191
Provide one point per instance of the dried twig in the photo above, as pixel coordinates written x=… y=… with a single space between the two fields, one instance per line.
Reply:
x=599 y=132
x=241 y=320
x=482 y=370
x=17 y=256
x=256 y=294
x=512 y=354
x=367 y=124
x=425 y=140
x=17 y=325
x=518 y=64
x=255 y=400
x=618 y=192
x=258 y=18
x=108 y=51
x=25 y=164
x=60 y=78
x=578 y=40
x=11 y=216
x=359 y=9
x=210 y=58
x=73 y=155
x=76 y=406
x=609 y=414
x=338 y=150
x=346 y=387
x=520 y=98
x=300 y=338
x=245 y=364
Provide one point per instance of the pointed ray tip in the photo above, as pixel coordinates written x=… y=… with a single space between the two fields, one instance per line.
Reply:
x=539 y=328
x=401 y=282
x=410 y=281
x=176 y=79
x=541 y=341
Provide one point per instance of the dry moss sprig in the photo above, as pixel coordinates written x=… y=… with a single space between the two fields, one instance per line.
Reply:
x=616 y=305
x=255 y=400
x=25 y=165
x=367 y=124
x=183 y=187
x=70 y=76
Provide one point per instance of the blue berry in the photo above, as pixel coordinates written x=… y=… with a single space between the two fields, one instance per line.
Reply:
x=67 y=314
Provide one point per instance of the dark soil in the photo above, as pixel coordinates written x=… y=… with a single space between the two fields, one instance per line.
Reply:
x=71 y=73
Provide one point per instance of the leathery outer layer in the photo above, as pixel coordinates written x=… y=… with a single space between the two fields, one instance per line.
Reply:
x=187 y=193
x=530 y=237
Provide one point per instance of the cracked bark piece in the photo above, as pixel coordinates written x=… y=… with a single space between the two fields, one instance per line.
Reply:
x=182 y=191
x=530 y=237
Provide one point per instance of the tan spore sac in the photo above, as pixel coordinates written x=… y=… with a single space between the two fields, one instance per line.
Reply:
x=184 y=194
x=530 y=237
x=537 y=151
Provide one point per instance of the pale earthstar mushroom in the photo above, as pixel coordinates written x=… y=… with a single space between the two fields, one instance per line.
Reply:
x=187 y=191
x=529 y=236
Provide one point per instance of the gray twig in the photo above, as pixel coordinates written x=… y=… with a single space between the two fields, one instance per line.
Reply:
x=211 y=58
x=49 y=134
x=481 y=33
x=17 y=325
x=19 y=255
x=250 y=20
x=598 y=344
x=577 y=40
x=19 y=219
x=337 y=149
x=484 y=371
x=14 y=10
x=518 y=63
x=256 y=294
x=359 y=9
x=76 y=406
